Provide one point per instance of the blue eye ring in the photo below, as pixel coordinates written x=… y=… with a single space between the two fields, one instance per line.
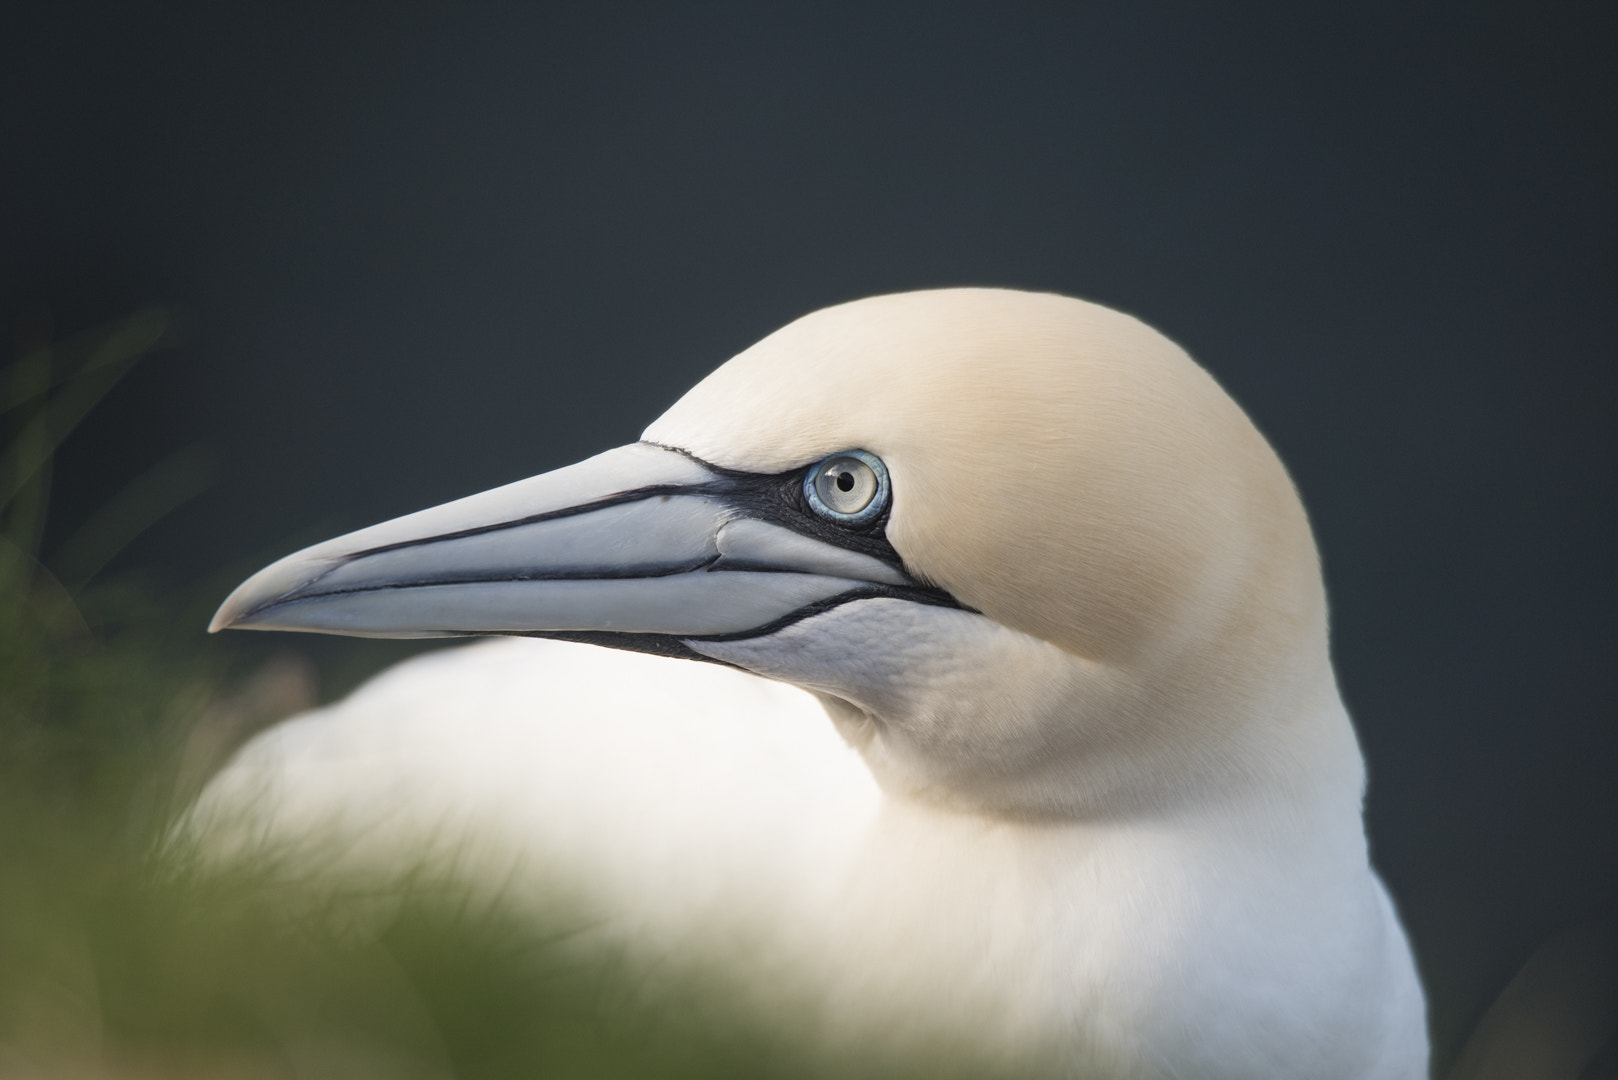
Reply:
x=823 y=501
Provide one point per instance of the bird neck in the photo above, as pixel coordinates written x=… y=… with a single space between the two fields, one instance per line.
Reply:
x=1030 y=733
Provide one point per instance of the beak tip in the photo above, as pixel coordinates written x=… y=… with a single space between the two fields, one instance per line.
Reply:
x=264 y=589
x=230 y=613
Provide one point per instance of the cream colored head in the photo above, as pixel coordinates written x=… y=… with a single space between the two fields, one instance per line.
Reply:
x=1134 y=613
x=1070 y=473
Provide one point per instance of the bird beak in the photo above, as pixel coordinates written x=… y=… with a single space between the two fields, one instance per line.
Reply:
x=640 y=540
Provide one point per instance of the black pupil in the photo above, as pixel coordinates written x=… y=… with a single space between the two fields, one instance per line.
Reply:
x=845 y=481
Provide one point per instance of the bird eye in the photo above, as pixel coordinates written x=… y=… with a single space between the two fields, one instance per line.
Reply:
x=851 y=487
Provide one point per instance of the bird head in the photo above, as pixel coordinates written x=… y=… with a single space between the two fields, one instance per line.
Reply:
x=1031 y=557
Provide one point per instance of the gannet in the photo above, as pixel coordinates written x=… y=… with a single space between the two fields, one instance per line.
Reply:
x=1018 y=726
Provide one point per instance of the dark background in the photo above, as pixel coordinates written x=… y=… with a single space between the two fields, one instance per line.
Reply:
x=419 y=251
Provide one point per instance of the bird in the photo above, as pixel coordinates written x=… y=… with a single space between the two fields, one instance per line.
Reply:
x=955 y=662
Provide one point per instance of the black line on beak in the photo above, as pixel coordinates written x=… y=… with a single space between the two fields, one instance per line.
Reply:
x=675 y=645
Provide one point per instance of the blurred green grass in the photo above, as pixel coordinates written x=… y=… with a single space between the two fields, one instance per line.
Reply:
x=122 y=954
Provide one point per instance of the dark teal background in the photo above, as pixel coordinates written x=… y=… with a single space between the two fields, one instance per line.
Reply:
x=421 y=250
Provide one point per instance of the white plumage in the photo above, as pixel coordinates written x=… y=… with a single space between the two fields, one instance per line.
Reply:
x=1086 y=795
